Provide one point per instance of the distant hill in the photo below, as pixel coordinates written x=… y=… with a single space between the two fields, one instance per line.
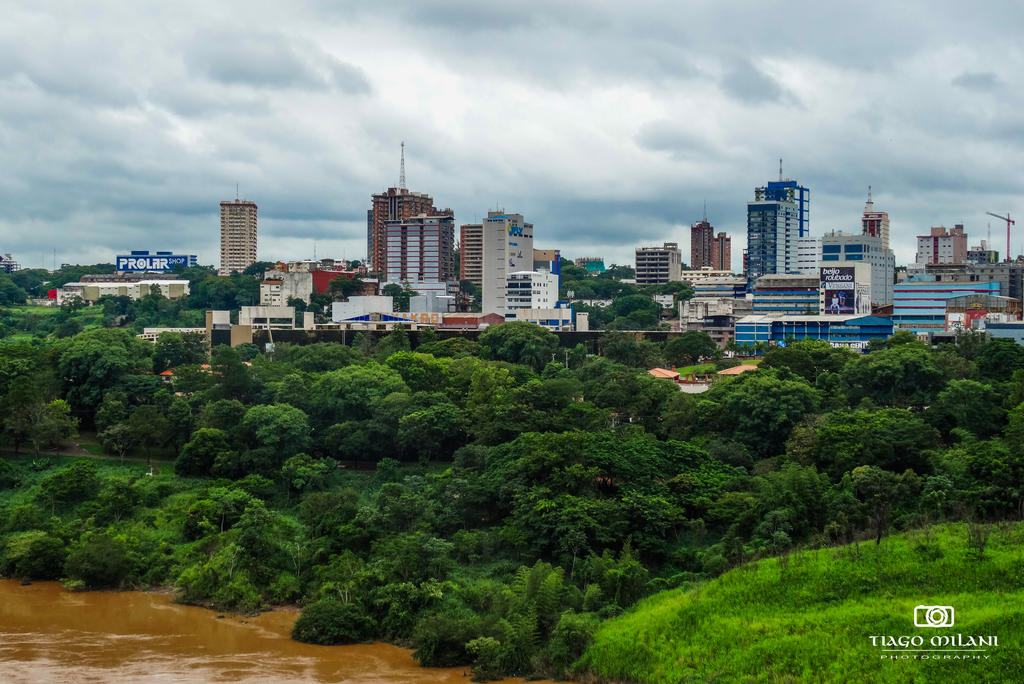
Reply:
x=809 y=616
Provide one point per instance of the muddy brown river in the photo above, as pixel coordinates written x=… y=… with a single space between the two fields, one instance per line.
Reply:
x=50 y=635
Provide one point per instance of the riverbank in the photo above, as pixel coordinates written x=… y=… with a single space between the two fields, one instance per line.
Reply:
x=49 y=634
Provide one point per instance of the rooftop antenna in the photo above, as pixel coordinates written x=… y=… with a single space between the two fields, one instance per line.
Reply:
x=401 y=173
x=780 y=168
x=705 y=211
x=869 y=205
x=236 y=191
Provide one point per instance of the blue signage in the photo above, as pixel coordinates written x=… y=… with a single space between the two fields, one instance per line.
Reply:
x=139 y=261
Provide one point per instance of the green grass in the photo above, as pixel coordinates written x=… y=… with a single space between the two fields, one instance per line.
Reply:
x=699 y=368
x=808 y=617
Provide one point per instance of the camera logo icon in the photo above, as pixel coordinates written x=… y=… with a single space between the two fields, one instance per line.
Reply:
x=933 y=616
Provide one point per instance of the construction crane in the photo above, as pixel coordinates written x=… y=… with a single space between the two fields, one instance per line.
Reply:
x=1009 y=222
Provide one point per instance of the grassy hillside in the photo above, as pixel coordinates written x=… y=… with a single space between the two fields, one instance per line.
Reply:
x=809 y=616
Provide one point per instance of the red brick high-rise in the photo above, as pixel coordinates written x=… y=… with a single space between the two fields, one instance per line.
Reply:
x=701 y=237
x=394 y=204
x=721 y=252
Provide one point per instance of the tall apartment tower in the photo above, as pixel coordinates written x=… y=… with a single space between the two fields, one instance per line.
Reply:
x=942 y=246
x=420 y=250
x=875 y=223
x=394 y=204
x=701 y=244
x=772 y=229
x=471 y=253
x=237 y=236
x=778 y=228
x=721 y=253
x=507 y=248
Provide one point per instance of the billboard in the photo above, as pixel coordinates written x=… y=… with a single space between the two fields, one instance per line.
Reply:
x=839 y=287
x=139 y=261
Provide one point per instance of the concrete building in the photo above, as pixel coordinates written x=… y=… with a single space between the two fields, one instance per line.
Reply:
x=981 y=254
x=361 y=306
x=278 y=287
x=974 y=312
x=530 y=290
x=852 y=332
x=772 y=238
x=808 y=254
x=844 y=249
x=471 y=253
x=420 y=249
x=715 y=316
x=90 y=292
x=237 y=236
x=555 y=319
x=875 y=223
x=702 y=236
x=942 y=246
x=786 y=294
x=727 y=286
x=394 y=204
x=273 y=318
x=592 y=265
x=1010 y=276
x=659 y=265
x=721 y=253
x=508 y=248
x=919 y=302
x=549 y=260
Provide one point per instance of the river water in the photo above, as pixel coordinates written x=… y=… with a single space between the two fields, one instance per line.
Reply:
x=50 y=635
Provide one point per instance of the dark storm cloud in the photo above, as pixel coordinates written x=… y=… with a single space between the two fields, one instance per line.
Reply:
x=747 y=83
x=984 y=81
x=672 y=137
x=270 y=61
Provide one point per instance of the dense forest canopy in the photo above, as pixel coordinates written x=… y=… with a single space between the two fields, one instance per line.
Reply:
x=480 y=501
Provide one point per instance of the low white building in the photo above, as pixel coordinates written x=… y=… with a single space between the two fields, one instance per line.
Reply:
x=530 y=290
x=556 y=320
x=273 y=317
x=92 y=291
x=361 y=306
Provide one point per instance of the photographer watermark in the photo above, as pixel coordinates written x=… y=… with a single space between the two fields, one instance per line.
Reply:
x=935 y=646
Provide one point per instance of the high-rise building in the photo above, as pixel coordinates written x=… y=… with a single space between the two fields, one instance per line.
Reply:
x=942 y=246
x=875 y=223
x=721 y=253
x=394 y=204
x=471 y=253
x=659 y=265
x=843 y=249
x=507 y=248
x=778 y=229
x=772 y=237
x=420 y=250
x=237 y=236
x=701 y=244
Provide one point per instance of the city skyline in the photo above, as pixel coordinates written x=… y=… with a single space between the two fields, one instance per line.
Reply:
x=122 y=138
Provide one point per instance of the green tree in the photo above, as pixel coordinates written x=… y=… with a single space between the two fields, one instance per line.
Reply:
x=520 y=342
x=690 y=347
x=198 y=455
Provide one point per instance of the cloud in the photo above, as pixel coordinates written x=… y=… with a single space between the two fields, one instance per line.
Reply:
x=751 y=85
x=982 y=82
x=123 y=125
x=271 y=61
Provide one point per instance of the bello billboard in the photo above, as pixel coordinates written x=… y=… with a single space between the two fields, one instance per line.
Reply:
x=840 y=291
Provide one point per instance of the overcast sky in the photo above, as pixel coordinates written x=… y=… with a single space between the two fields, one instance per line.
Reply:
x=606 y=124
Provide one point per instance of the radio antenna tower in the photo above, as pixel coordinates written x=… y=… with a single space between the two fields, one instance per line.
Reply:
x=780 y=168
x=401 y=172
